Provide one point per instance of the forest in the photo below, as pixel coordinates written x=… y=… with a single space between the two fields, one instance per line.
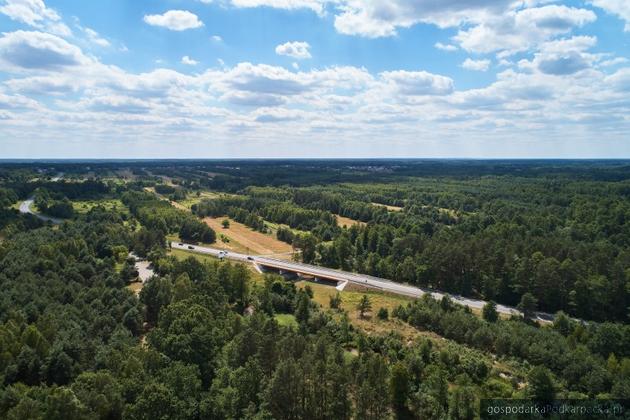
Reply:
x=202 y=339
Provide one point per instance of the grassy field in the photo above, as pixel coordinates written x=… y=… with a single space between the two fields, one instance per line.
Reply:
x=84 y=206
x=194 y=199
x=347 y=222
x=390 y=208
x=370 y=324
x=286 y=320
x=244 y=239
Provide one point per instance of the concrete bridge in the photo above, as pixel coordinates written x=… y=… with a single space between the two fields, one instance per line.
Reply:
x=343 y=278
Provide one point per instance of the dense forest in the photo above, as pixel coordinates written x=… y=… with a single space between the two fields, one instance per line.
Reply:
x=202 y=339
x=563 y=240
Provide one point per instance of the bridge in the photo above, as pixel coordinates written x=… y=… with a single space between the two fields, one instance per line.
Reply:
x=342 y=278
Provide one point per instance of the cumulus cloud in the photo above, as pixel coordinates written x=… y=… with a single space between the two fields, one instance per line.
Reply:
x=563 y=57
x=620 y=80
x=620 y=8
x=418 y=83
x=266 y=79
x=445 y=47
x=276 y=115
x=95 y=38
x=30 y=12
x=380 y=18
x=189 y=61
x=116 y=104
x=558 y=84
x=175 y=20
x=17 y=102
x=476 y=65
x=522 y=29
x=298 y=50
x=35 y=13
x=32 y=50
x=315 y=5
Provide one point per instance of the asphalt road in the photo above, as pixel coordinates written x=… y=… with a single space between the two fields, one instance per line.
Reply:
x=25 y=208
x=360 y=279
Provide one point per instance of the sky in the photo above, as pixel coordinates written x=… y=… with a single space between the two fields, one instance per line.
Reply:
x=314 y=78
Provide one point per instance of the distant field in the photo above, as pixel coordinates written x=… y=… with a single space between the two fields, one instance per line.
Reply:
x=84 y=206
x=194 y=199
x=390 y=208
x=244 y=237
x=347 y=222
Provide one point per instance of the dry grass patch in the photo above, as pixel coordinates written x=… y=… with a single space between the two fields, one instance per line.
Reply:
x=135 y=287
x=347 y=222
x=253 y=242
x=390 y=208
x=370 y=324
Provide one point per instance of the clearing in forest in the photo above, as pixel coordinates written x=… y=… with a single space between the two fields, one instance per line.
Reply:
x=347 y=222
x=390 y=208
x=371 y=324
x=248 y=239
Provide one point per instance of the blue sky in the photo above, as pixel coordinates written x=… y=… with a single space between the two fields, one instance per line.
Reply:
x=314 y=78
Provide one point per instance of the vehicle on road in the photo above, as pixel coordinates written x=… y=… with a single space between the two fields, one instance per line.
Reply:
x=250 y=258
x=181 y=244
x=191 y=247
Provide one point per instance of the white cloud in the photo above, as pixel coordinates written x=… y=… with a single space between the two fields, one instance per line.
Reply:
x=315 y=5
x=566 y=56
x=35 y=13
x=31 y=12
x=380 y=18
x=298 y=50
x=621 y=8
x=445 y=47
x=95 y=38
x=620 y=80
x=216 y=38
x=28 y=50
x=189 y=61
x=523 y=29
x=560 y=89
x=614 y=62
x=476 y=65
x=418 y=83
x=175 y=20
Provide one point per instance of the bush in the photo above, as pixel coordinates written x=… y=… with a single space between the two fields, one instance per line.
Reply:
x=383 y=314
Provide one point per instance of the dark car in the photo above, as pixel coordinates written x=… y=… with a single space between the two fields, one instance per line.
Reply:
x=181 y=244
x=191 y=247
x=250 y=258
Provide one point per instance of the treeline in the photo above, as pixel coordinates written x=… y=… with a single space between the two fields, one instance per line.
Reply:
x=254 y=211
x=203 y=341
x=563 y=241
x=89 y=189
x=159 y=217
x=55 y=204
x=590 y=360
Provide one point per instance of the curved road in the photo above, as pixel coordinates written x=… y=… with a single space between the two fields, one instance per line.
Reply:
x=25 y=208
x=344 y=276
